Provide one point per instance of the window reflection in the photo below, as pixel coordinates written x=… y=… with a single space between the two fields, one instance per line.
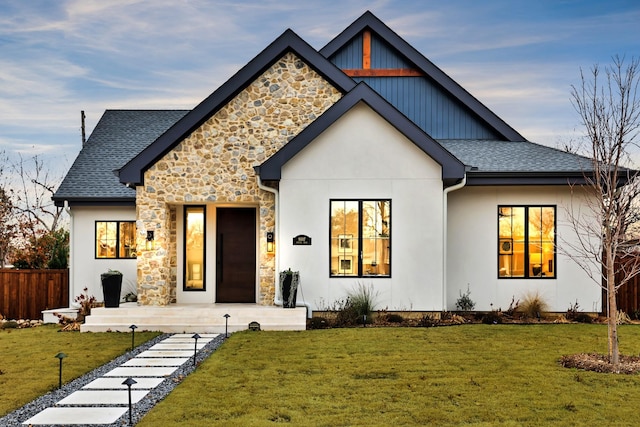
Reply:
x=115 y=239
x=526 y=244
x=360 y=238
x=194 y=247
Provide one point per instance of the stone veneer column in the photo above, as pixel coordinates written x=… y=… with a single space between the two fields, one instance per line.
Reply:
x=214 y=165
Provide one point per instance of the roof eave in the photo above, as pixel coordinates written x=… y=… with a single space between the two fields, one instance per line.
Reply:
x=525 y=178
x=92 y=201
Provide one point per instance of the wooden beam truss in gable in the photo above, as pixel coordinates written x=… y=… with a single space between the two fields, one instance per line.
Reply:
x=367 y=71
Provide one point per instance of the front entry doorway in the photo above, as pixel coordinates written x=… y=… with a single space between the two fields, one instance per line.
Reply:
x=235 y=255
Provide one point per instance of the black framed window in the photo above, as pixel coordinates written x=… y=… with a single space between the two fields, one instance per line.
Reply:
x=526 y=241
x=194 y=248
x=360 y=238
x=116 y=239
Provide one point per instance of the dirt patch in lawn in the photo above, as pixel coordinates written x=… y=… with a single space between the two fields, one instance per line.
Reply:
x=600 y=363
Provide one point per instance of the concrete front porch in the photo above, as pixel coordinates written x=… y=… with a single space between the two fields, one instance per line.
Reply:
x=186 y=318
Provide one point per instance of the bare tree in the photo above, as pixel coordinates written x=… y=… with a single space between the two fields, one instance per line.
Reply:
x=34 y=189
x=608 y=104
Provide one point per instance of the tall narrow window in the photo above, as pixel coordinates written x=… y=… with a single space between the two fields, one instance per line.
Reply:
x=115 y=239
x=360 y=238
x=526 y=242
x=194 y=248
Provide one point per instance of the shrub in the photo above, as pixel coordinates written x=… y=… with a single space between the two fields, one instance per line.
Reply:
x=394 y=318
x=9 y=324
x=347 y=315
x=583 y=318
x=465 y=303
x=573 y=311
x=513 y=306
x=492 y=318
x=318 y=323
x=428 y=320
x=533 y=306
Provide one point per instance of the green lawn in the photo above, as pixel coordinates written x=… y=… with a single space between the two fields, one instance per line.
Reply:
x=488 y=375
x=29 y=369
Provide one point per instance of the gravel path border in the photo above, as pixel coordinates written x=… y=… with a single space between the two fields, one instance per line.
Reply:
x=17 y=417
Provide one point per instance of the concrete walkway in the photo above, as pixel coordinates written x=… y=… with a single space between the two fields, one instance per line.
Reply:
x=106 y=399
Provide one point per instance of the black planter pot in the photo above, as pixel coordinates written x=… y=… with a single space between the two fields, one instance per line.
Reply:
x=111 y=288
x=289 y=287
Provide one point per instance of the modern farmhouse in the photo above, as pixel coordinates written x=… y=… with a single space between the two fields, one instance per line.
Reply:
x=361 y=163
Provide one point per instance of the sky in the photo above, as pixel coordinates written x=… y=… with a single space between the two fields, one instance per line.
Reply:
x=519 y=58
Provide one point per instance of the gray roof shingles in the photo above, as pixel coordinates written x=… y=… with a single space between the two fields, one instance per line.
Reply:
x=117 y=138
x=120 y=135
x=514 y=156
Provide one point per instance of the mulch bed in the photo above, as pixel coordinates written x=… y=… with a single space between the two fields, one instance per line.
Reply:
x=600 y=363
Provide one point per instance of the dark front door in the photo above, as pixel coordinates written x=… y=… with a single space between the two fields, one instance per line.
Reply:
x=236 y=255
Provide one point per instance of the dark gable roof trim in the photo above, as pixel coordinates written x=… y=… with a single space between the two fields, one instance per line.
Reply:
x=368 y=20
x=133 y=172
x=452 y=169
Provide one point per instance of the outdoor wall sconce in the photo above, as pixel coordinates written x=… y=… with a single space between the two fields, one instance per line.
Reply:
x=150 y=240
x=271 y=246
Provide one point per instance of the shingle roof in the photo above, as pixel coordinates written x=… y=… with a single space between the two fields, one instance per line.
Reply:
x=118 y=137
x=528 y=161
x=513 y=156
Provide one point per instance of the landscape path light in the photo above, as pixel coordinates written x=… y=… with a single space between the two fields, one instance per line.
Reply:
x=129 y=382
x=60 y=356
x=133 y=334
x=226 y=325
x=195 y=348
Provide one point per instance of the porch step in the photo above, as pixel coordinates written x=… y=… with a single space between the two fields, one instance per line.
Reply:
x=208 y=318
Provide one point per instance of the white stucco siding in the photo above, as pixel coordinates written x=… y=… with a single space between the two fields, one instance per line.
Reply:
x=473 y=254
x=363 y=157
x=85 y=268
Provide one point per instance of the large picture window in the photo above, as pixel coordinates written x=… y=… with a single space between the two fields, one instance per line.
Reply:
x=526 y=241
x=115 y=239
x=360 y=238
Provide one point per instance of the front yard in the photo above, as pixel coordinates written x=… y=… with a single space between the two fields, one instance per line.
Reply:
x=29 y=369
x=460 y=375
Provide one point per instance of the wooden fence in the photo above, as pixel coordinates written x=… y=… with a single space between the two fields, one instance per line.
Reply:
x=25 y=293
x=627 y=297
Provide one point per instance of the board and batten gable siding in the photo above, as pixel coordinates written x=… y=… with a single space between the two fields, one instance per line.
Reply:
x=472 y=250
x=361 y=156
x=436 y=112
x=85 y=269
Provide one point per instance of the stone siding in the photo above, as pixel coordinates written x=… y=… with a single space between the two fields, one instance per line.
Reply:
x=214 y=165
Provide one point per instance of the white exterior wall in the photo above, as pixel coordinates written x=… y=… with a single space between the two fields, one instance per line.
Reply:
x=361 y=156
x=84 y=268
x=472 y=256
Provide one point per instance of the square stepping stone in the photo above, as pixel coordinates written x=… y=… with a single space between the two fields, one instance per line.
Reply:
x=191 y=335
x=161 y=361
x=177 y=346
x=141 y=371
x=166 y=353
x=116 y=383
x=71 y=416
x=103 y=397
